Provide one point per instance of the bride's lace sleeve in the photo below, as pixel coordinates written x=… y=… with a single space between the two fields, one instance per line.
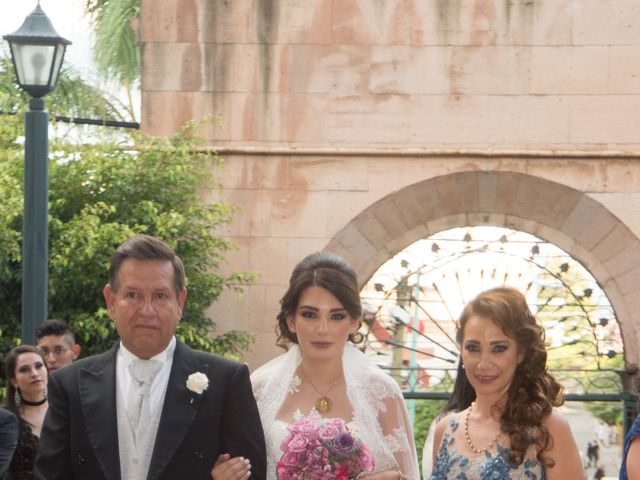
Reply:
x=396 y=428
x=381 y=414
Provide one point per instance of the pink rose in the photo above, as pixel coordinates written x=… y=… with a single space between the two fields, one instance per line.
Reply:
x=283 y=474
x=305 y=425
x=298 y=443
x=329 y=431
x=342 y=473
x=290 y=460
x=338 y=423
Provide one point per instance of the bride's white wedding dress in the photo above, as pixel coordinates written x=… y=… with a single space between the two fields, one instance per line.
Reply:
x=379 y=413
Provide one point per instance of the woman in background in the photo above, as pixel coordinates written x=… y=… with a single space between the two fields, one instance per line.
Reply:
x=511 y=430
x=26 y=374
x=630 y=467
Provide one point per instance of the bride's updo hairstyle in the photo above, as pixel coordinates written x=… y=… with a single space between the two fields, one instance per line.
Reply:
x=533 y=391
x=321 y=269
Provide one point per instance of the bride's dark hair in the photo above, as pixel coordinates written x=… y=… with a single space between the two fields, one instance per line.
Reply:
x=321 y=269
x=533 y=391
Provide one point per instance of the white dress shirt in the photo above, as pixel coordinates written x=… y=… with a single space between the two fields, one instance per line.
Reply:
x=135 y=453
x=127 y=384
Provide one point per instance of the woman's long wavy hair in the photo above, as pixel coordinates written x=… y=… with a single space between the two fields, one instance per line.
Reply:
x=533 y=391
x=320 y=269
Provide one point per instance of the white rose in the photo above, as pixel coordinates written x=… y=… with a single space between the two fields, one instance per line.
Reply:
x=197 y=382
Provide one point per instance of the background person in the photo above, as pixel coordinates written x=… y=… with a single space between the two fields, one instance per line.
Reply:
x=8 y=438
x=150 y=407
x=26 y=374
x=324 y=373
x=630 y=466
x=57 y=342
x=511 y=430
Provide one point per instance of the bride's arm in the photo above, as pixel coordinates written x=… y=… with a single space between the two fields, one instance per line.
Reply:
x=227 y=468
x=398 y=436
x=388 y=475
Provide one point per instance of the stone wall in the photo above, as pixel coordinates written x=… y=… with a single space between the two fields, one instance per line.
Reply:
x=363 y=125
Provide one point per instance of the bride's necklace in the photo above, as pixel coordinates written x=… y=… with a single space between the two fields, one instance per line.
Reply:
x=469 y=442
x=324 y=403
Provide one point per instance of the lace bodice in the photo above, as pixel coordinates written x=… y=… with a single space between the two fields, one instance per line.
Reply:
x=379 y=414
x=492 y=465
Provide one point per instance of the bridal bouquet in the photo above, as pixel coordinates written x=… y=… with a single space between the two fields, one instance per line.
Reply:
x=322 y=449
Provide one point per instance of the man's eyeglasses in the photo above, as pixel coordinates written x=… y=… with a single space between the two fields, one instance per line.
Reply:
x=56 y=351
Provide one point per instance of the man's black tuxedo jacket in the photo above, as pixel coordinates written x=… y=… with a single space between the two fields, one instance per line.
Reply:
x=80 y=439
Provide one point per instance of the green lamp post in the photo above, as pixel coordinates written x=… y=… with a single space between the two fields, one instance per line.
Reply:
x=37 y=52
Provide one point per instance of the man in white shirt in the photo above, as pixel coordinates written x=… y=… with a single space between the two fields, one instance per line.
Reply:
x=150 y=408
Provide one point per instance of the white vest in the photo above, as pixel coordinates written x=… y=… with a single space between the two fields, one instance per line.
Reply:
x=135 y=456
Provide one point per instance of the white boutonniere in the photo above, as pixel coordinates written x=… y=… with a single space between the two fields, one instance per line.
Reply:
x=197 y=382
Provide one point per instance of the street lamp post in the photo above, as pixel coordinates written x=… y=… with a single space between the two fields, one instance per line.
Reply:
x=37 y=52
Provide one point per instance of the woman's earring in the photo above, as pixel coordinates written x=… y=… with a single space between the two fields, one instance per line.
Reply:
x=45 y=392
x=17 y=398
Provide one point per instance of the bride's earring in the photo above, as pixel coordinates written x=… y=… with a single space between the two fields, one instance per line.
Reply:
x=45 y=392
x=17 y=398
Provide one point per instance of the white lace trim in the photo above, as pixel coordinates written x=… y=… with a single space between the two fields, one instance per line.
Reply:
x=294 y=385
x=397 y=441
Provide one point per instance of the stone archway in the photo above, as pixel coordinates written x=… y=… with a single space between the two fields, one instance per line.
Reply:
x=569 y=218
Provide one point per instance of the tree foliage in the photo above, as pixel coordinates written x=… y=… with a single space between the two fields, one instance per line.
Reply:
x=100 y=195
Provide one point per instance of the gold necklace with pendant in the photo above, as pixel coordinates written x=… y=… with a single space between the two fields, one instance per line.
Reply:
x=324 y=403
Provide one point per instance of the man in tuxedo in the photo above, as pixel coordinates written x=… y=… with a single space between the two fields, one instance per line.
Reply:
x=151 y=407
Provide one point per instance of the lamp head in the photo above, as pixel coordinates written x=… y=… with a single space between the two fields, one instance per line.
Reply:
x=37 y=52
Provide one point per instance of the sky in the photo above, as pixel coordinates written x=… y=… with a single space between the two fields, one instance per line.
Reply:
x=68 y=19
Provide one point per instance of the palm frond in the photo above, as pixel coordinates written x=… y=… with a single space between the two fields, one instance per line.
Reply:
x=116 y=52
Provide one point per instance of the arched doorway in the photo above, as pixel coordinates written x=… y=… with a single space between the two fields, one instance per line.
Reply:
x=413 y=301
x=555 y=213
x=561 y=215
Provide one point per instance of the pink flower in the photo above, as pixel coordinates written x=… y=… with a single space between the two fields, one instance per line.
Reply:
x=305 y=425
x=329 y=431
x=322 y=449
x=342 y=473
x=339 y=423
x=298 y=443
x=290 y=460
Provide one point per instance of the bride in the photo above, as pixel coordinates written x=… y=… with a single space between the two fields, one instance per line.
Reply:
x=323 y=373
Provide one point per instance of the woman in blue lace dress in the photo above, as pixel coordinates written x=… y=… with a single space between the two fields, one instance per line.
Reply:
x=630 y=467
x=511 y=430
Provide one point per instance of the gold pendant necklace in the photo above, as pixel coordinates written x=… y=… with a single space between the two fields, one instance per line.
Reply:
x=324 y=403
x=469 y=442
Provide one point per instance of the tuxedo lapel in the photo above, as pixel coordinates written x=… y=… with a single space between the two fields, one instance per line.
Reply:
x=97 y=392
x=179 y=409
